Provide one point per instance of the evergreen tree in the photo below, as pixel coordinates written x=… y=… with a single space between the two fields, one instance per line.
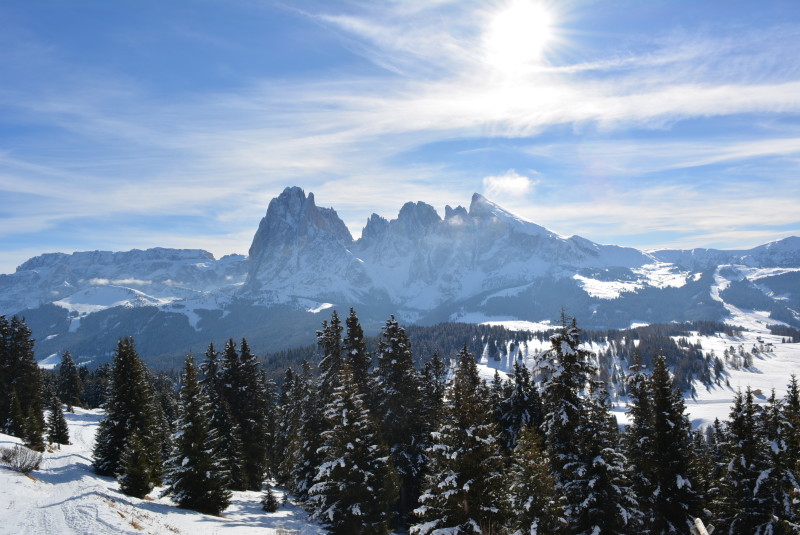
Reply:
x=567 y=373
x=717 y=444
x=244 y=388
x=640 y=434
x=742 y=506
x=702 y=470
x=398 y=408
x=136 y=474
x=521 y=408
x=16 y=423
x=229 y=449
x=434 y=383
x=69 y=386
x=131 y=424
x=355 y=485
x=95 y=385
x=57 y=428
x=464 y=486
x=21 y=393
x=306 y=455
x=791 y=429
x=354 y=347
x=777 y=483
x=289 y=418
x=601 y=476
x=534 y=502
x=660 y=447
x=211 y=374
x=196 y=477
x=329 y=340
x=268 y=501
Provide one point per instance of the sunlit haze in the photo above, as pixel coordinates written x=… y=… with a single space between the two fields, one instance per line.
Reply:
x=651 y=124
x=517 y=35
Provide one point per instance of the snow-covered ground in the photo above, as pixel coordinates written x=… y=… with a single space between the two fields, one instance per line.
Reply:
x=66 y=497
x=771 y=369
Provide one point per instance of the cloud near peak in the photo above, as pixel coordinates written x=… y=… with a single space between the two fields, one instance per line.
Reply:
x=509 y=183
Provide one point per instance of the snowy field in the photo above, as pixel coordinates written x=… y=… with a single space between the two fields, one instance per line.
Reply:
x=771 y=370
x=65 y=497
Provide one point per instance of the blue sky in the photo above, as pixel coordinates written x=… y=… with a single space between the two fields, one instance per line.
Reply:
x=134 y=124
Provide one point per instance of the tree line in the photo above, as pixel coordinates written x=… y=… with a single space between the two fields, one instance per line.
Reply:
x=370 y=443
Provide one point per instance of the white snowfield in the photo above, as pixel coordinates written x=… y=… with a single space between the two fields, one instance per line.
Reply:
x=66 y=497
x=772 y=368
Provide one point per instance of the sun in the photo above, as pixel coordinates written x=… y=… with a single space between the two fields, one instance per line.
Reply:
x=517 y=35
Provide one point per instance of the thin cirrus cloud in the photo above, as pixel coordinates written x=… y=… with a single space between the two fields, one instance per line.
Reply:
x=221 y=154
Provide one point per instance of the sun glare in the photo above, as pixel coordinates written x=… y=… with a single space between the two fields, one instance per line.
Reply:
x=517 y=35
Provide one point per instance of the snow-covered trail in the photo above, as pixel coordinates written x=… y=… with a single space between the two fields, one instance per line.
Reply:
x=66 y=497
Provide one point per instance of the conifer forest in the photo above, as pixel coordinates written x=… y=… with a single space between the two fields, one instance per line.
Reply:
x=372 y=438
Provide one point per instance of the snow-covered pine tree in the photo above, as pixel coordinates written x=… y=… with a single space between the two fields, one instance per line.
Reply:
x=287 y=428
x=521 y=408
x=717 y=444
x=354 y=347
x=463 y=489
x=535 y=505
x=130 y=410
x=639 y=435
x=305 y=456
x=499 y=390
x=211 y=374
x=791 y=430
x=702 y=470
x=164 y=401
x=600 y=477
x=196 y=477
x=741 y=507
x=69 y=386
x=567 y=372
x=659 y=444
x=245 y=390
x=434 y=383
x=355 y=485
x=57 y=428
x=229 y=448
x=675 y=505
x=778 y=482
x=398 y=408
x=329 y=340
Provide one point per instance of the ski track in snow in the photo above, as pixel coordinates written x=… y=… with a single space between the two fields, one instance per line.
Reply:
x=66 y=497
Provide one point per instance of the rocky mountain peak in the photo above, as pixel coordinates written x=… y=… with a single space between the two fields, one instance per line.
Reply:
x=294 y=217
x=416 y=217
x=375 y=228
x=453 y=213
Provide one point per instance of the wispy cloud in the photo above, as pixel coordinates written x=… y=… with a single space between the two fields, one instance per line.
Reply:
x=223 y=154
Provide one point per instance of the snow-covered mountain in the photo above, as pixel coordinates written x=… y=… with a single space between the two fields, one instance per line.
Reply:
x=477 y=264
x=155 y=275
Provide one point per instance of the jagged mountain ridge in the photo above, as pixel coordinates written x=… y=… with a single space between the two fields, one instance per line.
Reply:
x=419 y=260
x=471 y=265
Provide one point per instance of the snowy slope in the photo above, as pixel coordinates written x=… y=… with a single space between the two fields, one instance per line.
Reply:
x=65 y=497
x=771 y=369
x=157 y=275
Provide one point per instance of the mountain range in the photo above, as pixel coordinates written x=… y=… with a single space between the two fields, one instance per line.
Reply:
x=475 y=264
